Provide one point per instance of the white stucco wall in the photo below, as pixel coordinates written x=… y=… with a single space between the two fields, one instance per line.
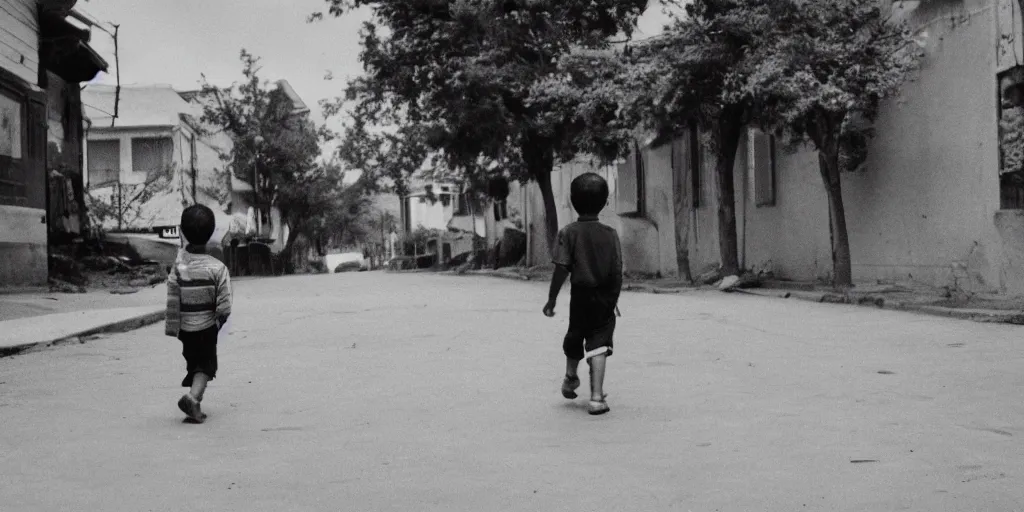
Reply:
x=428 y=215
x=926 y=206
x=165 y=207
x=23 y=247
x=648 y=246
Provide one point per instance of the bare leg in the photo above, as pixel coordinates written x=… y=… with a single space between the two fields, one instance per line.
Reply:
x=597 y=365
x=189 y=403
x=199 y=381
x=571 y=380
x=570 y=367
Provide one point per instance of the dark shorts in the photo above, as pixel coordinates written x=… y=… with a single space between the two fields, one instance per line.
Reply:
x=200 y=351
x=591 y=326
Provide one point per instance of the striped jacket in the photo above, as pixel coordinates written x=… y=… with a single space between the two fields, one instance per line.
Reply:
x=198 y=293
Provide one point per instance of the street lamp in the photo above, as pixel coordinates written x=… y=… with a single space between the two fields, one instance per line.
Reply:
x=256 y=187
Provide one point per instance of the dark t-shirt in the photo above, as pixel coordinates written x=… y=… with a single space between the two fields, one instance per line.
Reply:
x=592 y=254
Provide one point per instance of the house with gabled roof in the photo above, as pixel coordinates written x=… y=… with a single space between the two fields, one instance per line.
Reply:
x=153 y=142
x=238 y=196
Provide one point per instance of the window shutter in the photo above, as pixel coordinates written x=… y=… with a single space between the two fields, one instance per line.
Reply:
x=627 y=188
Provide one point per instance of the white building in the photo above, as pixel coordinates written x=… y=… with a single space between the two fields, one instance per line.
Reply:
x=155 y=131
x=441 y=206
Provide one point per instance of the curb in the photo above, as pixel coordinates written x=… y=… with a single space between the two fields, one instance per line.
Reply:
x=877 y=302
x=25 y=289
x=974 y=315
x=502 y=275
x=126 y=325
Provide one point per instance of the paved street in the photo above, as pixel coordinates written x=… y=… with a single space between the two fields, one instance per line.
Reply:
x=419 y=392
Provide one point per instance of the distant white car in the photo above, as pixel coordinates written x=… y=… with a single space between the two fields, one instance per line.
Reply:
x=346 y=262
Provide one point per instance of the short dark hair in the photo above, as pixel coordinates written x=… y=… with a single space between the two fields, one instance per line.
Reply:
x=197 y=224
x=589 y=193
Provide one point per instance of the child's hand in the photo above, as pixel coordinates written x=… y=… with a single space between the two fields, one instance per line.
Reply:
x=549 y=309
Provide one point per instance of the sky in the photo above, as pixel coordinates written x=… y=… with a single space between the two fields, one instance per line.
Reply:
x=175 y=42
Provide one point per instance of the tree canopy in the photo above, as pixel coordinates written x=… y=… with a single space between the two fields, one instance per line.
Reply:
x=814 y=71
x=819 y=76
x=683 y=78
x=460 y=79
x=278 y=148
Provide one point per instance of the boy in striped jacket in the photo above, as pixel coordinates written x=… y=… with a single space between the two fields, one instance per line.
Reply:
x=198 y=305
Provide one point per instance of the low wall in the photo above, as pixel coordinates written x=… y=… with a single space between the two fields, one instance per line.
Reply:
x=23 y=255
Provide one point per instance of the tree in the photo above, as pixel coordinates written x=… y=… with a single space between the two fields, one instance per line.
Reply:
x=125 y=201
x=276 y=150
x=459 y=76
x=386 y=158
x=820 y=75
x=683 y=76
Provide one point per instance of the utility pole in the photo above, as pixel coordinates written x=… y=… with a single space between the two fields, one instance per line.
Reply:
x=120 y=206
x=256 y=187
x=117 y=91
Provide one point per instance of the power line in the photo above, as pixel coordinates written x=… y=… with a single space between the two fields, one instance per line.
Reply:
x=100 y=110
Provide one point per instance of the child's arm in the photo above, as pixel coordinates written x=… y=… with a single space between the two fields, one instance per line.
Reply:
x=557 y=281
x=173 y=316
x=563 y=267
x=223 y=297
x=617 y=270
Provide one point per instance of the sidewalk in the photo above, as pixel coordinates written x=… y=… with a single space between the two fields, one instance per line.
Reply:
x=986 y=309
x=42 y=319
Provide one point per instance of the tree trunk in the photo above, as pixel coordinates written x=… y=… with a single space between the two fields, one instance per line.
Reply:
x=540 y=161
x=727 y=131
x=286 y=252
x=681 y=201
x=842 y=273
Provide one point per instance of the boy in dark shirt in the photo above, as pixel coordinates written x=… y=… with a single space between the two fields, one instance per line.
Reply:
x=591 y=254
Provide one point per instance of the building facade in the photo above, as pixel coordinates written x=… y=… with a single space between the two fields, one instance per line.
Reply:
x=43 y=59
x=236 y=194
x=939 y=202
x=152 y=159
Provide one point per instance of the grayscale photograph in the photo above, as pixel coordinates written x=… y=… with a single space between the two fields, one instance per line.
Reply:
x=511 y=255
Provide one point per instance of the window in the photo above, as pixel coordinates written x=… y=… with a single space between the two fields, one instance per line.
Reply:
x=762 y=167
x=1011 y=139
x=11 y=126
x=696 y=171
x=12 y=137
x=22 y=145
x=152 y=155
x=104 y=162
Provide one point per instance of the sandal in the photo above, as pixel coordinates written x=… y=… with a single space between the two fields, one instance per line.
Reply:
x=569 y=385
x=598 y=407
x=190 y=406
